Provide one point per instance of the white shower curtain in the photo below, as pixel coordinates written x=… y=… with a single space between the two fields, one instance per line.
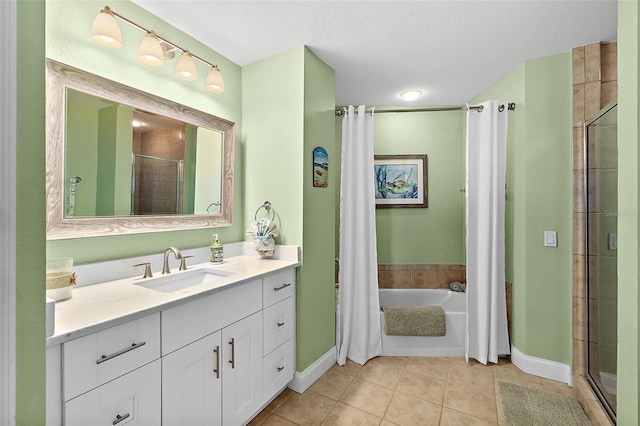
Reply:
x=358 y=312
x=487 y=335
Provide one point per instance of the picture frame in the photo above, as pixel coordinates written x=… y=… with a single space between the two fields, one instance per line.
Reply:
x=320 y=167
x=401 y=181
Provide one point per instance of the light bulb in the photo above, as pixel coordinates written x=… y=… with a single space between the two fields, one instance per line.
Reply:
x=105 y=29
x=186 y=67
x=411 y=95
x=214 y=82
x=150 y=51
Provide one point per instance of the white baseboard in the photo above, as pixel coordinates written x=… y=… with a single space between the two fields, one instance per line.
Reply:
x=541 y=367
x=302 y=380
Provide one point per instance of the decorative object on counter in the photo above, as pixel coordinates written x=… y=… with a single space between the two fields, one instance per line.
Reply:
x=320 y=167
x=264 y=231
x=154 y=50
x=217 y=253
x=458 y=286
x=60 y=278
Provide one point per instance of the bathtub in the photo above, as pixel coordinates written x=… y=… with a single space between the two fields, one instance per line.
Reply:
x=455 y=308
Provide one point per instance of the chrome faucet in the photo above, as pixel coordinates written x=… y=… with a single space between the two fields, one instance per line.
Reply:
x=165 y=265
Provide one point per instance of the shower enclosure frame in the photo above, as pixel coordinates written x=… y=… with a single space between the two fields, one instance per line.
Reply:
x=611 y=412
x=179 y=178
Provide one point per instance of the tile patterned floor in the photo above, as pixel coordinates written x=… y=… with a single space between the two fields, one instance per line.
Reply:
x=404 y=391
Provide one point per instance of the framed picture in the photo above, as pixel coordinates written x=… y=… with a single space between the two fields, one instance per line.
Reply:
x=401 y=180
x=320 y=167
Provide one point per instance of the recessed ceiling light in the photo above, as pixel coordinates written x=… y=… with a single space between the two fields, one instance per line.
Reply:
x=411 y=95
x=136 y=123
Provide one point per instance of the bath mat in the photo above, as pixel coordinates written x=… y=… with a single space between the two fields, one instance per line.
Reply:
x=533 y=407
x=414 y=321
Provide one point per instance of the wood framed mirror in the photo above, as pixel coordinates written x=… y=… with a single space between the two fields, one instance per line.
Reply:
x=122 y=161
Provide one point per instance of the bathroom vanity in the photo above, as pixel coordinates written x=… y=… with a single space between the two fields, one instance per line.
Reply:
x=215 y=352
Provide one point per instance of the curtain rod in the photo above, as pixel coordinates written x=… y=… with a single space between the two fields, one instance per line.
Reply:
x=510 y=106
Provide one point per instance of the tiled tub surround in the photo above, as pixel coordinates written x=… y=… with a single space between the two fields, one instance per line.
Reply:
x=595 y=84
x=420 y=275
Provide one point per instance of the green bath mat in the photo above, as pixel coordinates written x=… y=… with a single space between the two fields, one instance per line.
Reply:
x=522 y=406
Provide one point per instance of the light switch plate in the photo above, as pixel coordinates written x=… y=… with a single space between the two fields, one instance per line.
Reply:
x=613 y=241
x=550 y=239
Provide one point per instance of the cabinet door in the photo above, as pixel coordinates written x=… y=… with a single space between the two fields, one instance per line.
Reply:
x=132 y=399
x=191 y=384
x=242 y=370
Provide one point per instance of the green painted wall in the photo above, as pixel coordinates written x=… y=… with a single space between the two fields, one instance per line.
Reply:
x=316 y=299
x=30 y=220
x=539 y=198
x=282 y=122
x=628 y=393
x=434 y=234
x=82 y=156
x=69 y=42
x=272 y=140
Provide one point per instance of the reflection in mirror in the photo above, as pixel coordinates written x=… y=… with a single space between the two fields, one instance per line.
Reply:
x=125 y=161
x=122 y=161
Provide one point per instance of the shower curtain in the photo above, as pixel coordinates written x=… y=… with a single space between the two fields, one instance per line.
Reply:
x=487 y=335
x=358 y=312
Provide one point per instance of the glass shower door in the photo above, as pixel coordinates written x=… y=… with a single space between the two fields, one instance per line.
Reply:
x=601 y=195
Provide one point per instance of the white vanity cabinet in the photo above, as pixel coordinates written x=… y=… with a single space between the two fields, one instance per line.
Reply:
x=279 y=319
x=191 y=385
x=244 y=337
x=215 y=359
x=113 y=376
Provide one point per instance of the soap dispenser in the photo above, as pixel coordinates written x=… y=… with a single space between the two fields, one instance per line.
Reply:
x=217 y=255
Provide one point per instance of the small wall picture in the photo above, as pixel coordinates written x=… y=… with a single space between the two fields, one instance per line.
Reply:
x=401 y=180
x=320 y=167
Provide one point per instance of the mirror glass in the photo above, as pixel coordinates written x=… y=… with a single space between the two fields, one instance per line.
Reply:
x=123 y=161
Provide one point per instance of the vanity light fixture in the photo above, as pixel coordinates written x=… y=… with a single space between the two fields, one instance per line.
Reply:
x=105 y=29
x=150 y=51
x=411 y=95
x=154 y=50
x=214 y=82
x=186 y=67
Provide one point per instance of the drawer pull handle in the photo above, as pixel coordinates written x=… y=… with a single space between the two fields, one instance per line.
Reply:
x=281 y=287
x=232 y=361
x=280 y=369
x=217 y=369
x=280 y=324
x=120 y=418
x=133 y=346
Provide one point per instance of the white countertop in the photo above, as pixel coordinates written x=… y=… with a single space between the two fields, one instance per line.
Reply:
x=96 y=307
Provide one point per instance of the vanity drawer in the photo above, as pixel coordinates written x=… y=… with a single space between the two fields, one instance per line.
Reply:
x=191 y=321
x=278 y=324
x=133 y=399
x=95 y=359
x=277 y=369
x=278 y=286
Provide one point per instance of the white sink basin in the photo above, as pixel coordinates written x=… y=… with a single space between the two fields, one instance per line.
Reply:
x=184 y=279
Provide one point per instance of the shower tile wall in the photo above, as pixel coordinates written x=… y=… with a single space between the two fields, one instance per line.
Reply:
x=595 y=85
x=158 y=184
x=420 y=276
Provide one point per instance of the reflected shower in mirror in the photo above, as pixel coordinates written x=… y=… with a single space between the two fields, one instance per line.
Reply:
x=122 y=160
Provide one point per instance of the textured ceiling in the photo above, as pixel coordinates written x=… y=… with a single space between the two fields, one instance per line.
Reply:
x=451 y=50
